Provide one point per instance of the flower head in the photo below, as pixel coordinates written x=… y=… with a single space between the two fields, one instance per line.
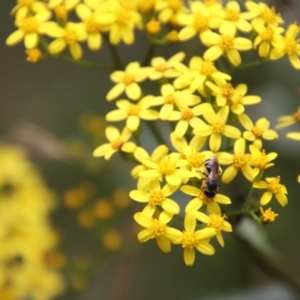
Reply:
x=268 y=215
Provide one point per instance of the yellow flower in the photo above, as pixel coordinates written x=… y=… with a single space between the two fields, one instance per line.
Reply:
x=225 y=44
x=260 y=160
x=264 y=15
x=126 y=20
x=117 y=142
x=186 y=117
x=25 y=7
x=94 y=23
x=200 y=199
x=234 y=20
x=29 y=29
x=153 y=27
x=103 y=209
x=268 y=215
x=162 y=68
x=169 y=167
x=169 y=99
x=273 y=188
x=267 y=37
x=191 y=239
x=255 y=133
x=216 y=127
x=199 y=72
x=288 y=120
x=133 y=112
x=140 y=155
x=215 y=221
x=198 y=21
x=226 y=95
x=112 y=240
x=69 y=36
x=239 y=162
x=34 y=55
x=157 y=229
x=169 y=10
x=155 y=196
x=127 y=81
x=289 y=46
x=69 y=4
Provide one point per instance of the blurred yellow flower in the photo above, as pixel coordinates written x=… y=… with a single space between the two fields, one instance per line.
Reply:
x=25 y=7
x=288 y=120
x=273 y=188
x=268 y=215
x=103 y=209
x=112 y=240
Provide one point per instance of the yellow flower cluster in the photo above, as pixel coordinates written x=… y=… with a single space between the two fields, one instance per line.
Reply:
x=207 y=126
x=201 y=114
x=26 y=236
x=224 y=29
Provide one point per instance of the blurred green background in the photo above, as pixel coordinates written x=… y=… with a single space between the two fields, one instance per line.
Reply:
x=54 y=94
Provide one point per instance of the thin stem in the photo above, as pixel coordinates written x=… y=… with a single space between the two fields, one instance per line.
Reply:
x=249 y=65
x=115 y=55
x=149 y=55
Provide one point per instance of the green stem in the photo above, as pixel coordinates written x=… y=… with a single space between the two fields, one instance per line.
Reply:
x=249 y=65
x=115 y=55
x=149 y=55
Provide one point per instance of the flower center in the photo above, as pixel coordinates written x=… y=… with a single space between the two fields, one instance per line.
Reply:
x=157 y=229
x=70 y=36
x=91 y=25
x=167 y=167
x=232 y=15
x=218 y=127
x=117 y=143
x=161 y=67
x=268 y=215
x=203 y=197
x=207 y=68
x=261 y=161
x=61 y=12
x=290 y=46
x=226 y=42
x=187 y=114
x=128 y=78
x=169 y=99
x=195 y=160
x=274 y=185
x=156 y=198
x=122 y=16
x=227 y=91
x=33 y=55
x=188 y=240
x=200 y=22
x=133 y=110
x=258 y=132
x=175 y=4
x=216 y=222
x=267 y=35
x=269 y=15
x=25 y=2
x=239 y=160
x=146 y=6
x=29 y=25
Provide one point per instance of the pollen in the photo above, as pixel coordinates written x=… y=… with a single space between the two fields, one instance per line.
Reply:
x=216 y=222
x=218 y=127
x=239 y=160
x=200 y=22
x=157 y=229
x=156 y=198
x=29 y=25
x=128 y=78
x=207 y=68
x=167 y=167
x=187 y=114
x=70 y=36
x=274 y=185
x=258 y=132
x=188 y=240
x=91 y=25
x=117 y=143
x=195 y=160
x=232 y=15
x=226 y=43
x=133 y=110
x=290 y=46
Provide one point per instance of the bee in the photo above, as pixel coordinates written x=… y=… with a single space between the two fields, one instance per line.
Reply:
x=212 y=173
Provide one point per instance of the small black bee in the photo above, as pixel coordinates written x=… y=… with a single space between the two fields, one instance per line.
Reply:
x=213 y=171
